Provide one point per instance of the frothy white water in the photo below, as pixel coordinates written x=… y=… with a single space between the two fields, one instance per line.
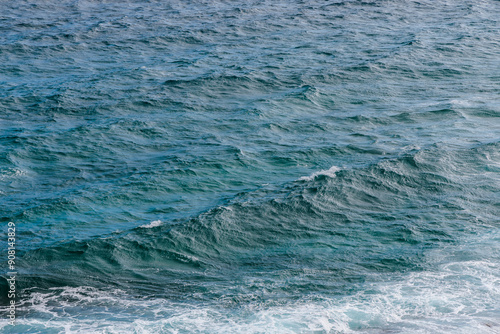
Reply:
x=11 y=173
x=152 y=224
x=328 y=172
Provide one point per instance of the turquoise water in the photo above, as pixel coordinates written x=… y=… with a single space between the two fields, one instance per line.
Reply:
x=252 y=167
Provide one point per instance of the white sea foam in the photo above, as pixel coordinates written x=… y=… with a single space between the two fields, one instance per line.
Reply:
x=458 y=293
x=152 y=224
x=328 y=172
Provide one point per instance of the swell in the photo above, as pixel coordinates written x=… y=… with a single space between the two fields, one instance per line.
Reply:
x=379 y=218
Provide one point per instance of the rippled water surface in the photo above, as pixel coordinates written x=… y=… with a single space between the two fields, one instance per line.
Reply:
x=252 y=166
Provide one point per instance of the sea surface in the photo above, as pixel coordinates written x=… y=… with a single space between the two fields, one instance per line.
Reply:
x=251 y=166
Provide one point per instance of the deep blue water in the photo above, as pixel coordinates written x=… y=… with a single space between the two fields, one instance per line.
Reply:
x=252 y=166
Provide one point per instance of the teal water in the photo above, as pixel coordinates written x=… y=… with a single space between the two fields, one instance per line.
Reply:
x=252 y=167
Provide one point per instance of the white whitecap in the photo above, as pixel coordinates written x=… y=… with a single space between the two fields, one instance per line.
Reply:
x=328 y=172
x=152 y=224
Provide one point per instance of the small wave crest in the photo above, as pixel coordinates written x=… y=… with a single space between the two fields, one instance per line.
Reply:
x=327 y=172
x=152 y=224
x=11 y=173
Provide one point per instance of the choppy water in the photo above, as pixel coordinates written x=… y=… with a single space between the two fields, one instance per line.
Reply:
x=252 y=166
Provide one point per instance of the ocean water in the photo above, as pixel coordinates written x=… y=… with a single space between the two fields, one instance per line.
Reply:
x=251 y=166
